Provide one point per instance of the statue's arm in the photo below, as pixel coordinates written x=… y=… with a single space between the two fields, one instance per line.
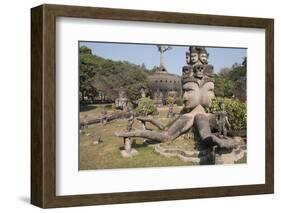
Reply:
x=156 y=123
x=152 y=135
x=178 y=127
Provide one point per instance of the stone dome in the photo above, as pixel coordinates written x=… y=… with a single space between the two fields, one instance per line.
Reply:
x=164 y=84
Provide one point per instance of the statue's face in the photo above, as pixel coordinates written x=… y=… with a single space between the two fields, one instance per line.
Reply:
x=193 y=95
x=199 y=71
x=203 y=58
x=207 y=94
x=193 y=57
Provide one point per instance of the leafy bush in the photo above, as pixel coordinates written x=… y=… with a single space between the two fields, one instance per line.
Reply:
x=237 y=112
x=170 y=100
x=179 y=102
x=145 y=106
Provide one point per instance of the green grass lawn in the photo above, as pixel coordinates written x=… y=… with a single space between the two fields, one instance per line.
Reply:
x=106 y=155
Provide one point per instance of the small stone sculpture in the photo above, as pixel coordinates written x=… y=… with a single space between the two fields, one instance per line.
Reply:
x=96 y=139
x=170 y=111
x=127 y=145
x=103 y=117
x=222 y=121
x=143 y=93
x=84 y=122
x=128 y=150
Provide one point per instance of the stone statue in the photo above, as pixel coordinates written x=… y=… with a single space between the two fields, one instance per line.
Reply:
x=162 y=49
x=142 y=93
x=103 y=117
x=96 y=139
x=194 y=56
x=203 y=56
x=198 y=92
x=170 y=111
x=222 y=121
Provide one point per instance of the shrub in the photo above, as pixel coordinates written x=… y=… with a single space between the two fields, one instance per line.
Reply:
x=237 y=112
x=150 y=108
x=170 y=100
x=179 y=102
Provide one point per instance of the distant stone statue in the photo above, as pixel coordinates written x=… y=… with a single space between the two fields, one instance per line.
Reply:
x=96 y=139
x=103 y=117
x=222 y=121
x=158 y=98
x=162 y=49
x=170 y=111
x=84 y=122
x=142 y=93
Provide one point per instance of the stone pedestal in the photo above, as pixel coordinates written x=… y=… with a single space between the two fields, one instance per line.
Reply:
x=223 y=156
x=203 y=156
x=128 y=150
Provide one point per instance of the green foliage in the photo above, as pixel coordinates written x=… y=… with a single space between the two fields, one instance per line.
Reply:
x=237 y=112
x=170 y=100
x=224 y=87
x=231 y=82
x=99 y=75
x=85 y=50
x=145 y=106
x=86 y=74
x=179 y=102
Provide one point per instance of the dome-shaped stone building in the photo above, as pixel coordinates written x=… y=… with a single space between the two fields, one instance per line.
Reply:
x=164 y=84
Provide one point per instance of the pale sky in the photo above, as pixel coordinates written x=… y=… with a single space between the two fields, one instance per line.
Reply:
x=174 y=59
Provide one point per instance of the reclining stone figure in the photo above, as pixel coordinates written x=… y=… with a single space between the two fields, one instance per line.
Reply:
x=198 y=92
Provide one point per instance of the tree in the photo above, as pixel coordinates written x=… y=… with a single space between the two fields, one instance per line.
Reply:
x=145 y=106
x=104 y=76
x=86 y=74
x=231 y=82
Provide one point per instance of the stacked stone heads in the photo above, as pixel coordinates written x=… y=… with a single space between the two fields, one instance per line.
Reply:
x=197 y=69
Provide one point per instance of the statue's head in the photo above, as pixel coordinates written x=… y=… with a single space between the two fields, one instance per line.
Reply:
x=203 y=56
x=198 y=71
x=194 y=57
x=197 y=55
x=221 y=105
x=197 y=81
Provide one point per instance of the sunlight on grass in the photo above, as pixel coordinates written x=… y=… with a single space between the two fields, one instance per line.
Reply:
x=106 y=155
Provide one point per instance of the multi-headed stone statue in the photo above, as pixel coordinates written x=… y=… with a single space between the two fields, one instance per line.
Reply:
x=198 y=92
